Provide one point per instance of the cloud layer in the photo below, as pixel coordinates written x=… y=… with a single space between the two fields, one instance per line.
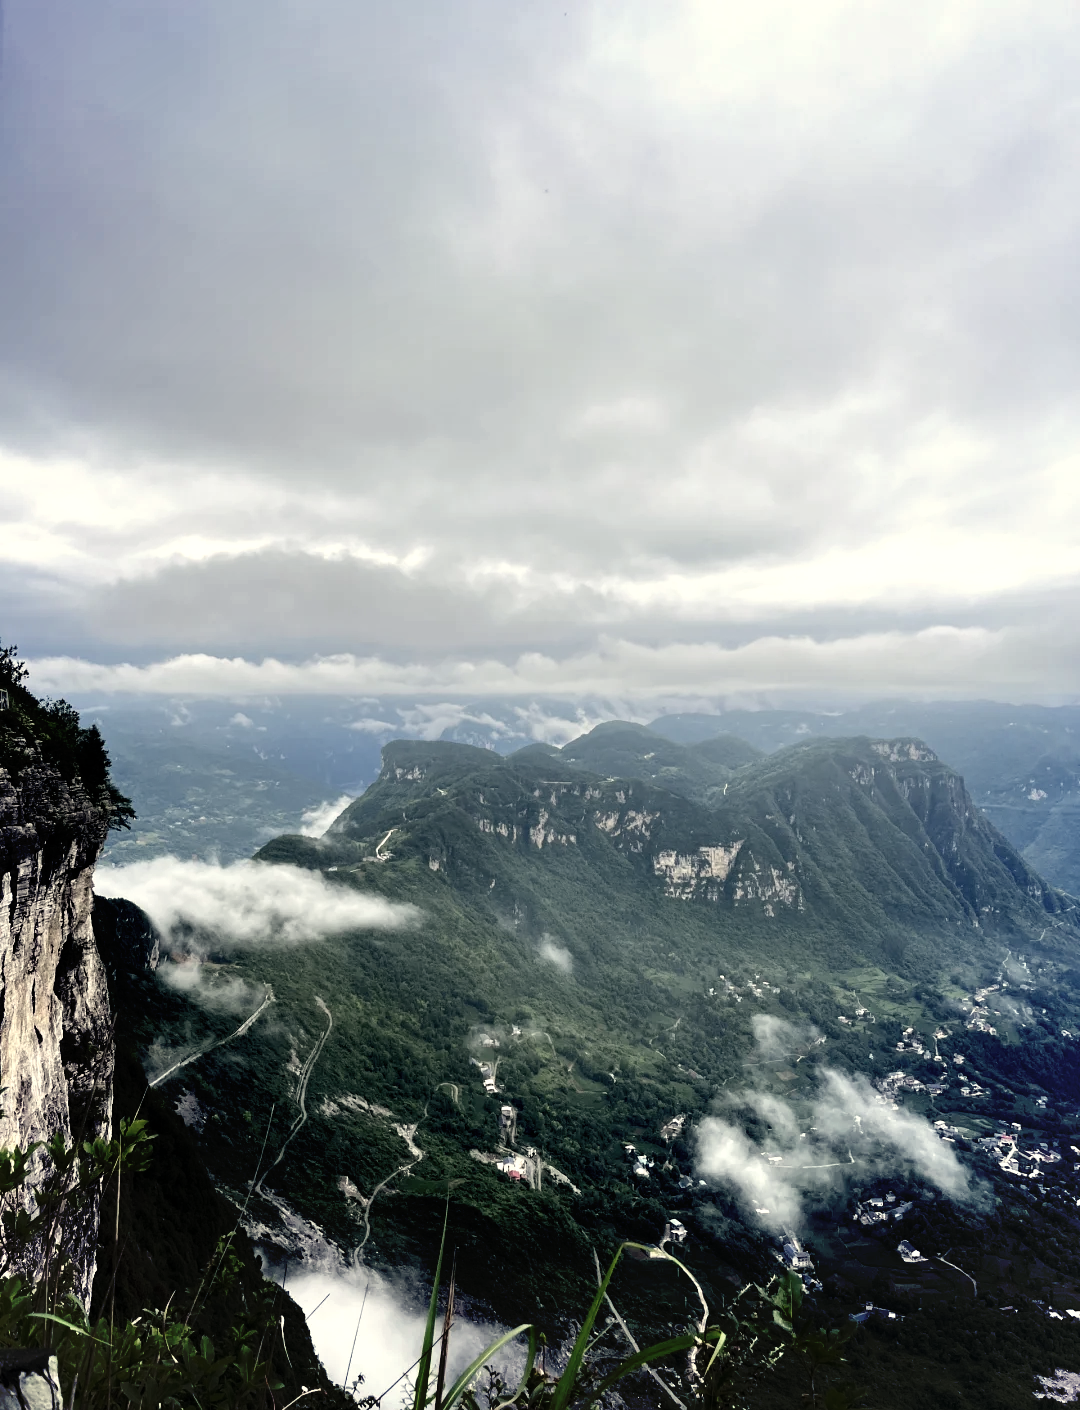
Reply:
x=245 y=904
x=1011 y=663
x=617 y=327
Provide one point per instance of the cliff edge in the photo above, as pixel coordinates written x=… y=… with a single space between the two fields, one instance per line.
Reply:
x=56 y=1044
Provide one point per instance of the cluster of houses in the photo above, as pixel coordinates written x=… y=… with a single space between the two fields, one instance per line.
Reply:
x=910 y=1042
x=641 y=1164
x=862 y=1014
x=979 y=1022
x=1004 y=1147
x=880 y=1209
x=672 y=1128
x=526 y=1170
x=973 y=1089
x=981 y=995
x=513 y=1165
x=757 y=987
x=949 y=1134
x=894 y=1084
x=979 y=1017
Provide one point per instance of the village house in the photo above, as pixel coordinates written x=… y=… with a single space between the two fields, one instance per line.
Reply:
x=795 y=1255
x=910 y=1254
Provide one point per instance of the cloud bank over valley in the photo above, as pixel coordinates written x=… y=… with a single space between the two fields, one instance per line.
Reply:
x=198 y=904
x=844 y=1129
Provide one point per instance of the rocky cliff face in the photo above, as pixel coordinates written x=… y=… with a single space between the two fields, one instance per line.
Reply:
x=56 y=1045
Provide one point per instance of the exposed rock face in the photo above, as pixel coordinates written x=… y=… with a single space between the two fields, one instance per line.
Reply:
x=56 y=1045
x=697 y=873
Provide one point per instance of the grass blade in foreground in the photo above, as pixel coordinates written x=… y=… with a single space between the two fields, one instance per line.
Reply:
x=424 y=1369
x=461 y=1385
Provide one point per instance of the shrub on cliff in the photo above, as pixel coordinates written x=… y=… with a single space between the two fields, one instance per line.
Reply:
x=49 y=733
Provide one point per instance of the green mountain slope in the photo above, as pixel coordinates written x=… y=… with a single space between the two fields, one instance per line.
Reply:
x=1021 y=763
x=875 y=845
x=622 y=750
x=610 y=948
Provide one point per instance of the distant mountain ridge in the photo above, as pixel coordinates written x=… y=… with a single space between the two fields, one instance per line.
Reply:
x=1021 y=762
x=876 y=842
x=185 y=762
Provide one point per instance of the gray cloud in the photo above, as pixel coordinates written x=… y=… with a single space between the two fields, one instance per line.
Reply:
x=454 y=330
x=289 y=601
x=1007 y=664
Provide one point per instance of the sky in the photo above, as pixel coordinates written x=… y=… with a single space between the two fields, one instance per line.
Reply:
x=535 y=348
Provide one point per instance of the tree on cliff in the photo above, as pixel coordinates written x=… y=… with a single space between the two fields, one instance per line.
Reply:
x=49 y=732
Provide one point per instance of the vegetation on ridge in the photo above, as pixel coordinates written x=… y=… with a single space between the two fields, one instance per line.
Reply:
x=623 y=989
x=35 y=733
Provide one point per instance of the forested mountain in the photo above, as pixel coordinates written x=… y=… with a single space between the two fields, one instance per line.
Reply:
x=1021 y=762
x=706 y=940
x=209 y=779
x=870 y=843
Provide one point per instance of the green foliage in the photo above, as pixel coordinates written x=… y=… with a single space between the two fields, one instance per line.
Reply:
x=627 y=751
x=157 y=1359
x=154 y=1360
x=579 y=1385
x=821 y=1349
x=49 y=732
x=70 y=1176
x=12 y=671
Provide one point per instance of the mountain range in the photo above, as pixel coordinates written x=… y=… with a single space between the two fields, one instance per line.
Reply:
x=672 y=946
x=211 y=779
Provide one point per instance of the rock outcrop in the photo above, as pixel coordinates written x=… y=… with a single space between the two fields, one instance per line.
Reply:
x=56 y=1042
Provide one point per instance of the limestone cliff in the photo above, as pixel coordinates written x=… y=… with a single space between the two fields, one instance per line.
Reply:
x=56 y=1043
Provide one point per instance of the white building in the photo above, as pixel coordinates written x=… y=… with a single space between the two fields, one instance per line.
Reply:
x=910 y=1254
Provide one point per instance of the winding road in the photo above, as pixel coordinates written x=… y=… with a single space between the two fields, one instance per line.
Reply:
x=380 y=855
x=417 y=1157
x=300 y=1094
x=237 y=1033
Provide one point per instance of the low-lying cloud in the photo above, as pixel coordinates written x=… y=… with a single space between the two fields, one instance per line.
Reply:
x=556 y=954
x=245 y=904
x=225 y=993
x=388 y=1330
x=845 y=1128
x=366 y=1324
x=315 y=821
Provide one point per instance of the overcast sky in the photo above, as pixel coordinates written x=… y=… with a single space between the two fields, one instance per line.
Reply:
x=529 y=346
